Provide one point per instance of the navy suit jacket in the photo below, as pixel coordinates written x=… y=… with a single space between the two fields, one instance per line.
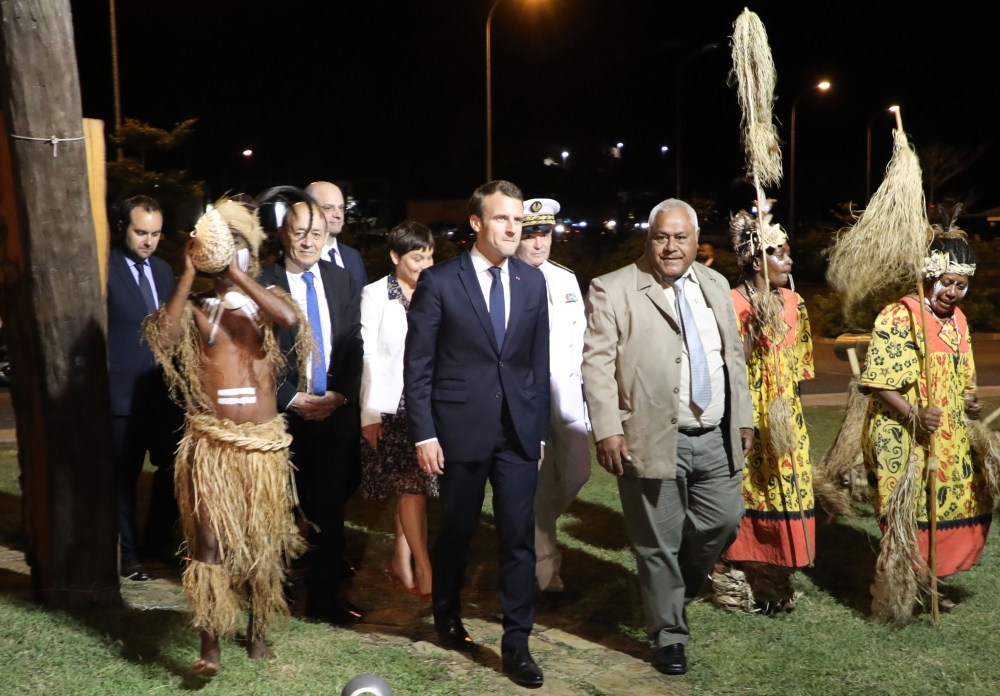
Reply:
x=344 y=301
x=354 y=264
x=136 y=379
x=455 y=378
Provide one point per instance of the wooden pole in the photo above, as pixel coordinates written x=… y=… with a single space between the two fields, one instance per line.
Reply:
x=52 y=305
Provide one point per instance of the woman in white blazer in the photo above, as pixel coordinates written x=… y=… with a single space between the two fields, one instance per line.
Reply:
x=388 y=457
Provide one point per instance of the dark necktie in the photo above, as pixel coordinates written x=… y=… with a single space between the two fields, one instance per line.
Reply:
x=145 y=288
x=497 y=307
x=316 y=324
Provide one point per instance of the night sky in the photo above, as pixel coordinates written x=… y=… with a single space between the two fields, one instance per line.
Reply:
x=391 y=95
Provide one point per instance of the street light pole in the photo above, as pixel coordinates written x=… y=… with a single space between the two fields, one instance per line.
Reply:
x=822 y=86
x=677 y=119
x=114 y=73
x=868 y=159
x=489 y=96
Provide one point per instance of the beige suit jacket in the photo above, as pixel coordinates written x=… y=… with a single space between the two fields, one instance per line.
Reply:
x=631 y=366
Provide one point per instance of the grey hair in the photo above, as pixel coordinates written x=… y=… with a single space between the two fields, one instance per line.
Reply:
x=670 y=204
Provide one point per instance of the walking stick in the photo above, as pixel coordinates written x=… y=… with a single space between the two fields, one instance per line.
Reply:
x=931 y=466
x=932 y=463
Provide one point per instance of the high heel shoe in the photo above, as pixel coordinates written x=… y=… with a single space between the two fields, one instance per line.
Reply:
x=415 y=591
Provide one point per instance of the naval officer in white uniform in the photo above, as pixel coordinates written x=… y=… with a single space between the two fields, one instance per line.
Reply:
x=566 y=463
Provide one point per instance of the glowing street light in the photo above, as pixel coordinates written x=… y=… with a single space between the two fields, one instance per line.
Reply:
x=663 y=149
x=620 y=145
x=868 y=161
x=564 y=156
x=822 y=87
x=247 y=153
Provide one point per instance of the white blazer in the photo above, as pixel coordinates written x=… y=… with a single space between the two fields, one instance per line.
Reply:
x=567 y=323
x=383 y=329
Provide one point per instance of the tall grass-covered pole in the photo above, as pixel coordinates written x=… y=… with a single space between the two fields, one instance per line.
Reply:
x=755 y=77
x=885 y=247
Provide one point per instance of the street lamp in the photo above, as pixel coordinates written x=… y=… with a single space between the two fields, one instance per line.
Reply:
x=620 y=145
x=822 y=86
x=868 y=160
x=489 y=95
x=247 y=153
x=707 y=48
x=564 y=156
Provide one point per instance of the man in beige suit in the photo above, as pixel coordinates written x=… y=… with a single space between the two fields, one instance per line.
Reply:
x=666 y=385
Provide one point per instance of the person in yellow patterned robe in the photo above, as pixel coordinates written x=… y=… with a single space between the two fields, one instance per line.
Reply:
x=905 y=403
x=772 y=542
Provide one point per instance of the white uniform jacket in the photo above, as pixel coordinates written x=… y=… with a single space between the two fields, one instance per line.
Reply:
x=567 y=323
x=383 y=329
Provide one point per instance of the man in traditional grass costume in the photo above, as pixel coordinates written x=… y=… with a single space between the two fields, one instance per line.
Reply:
x=233 y=474
x=908 y=414
x=777 y=533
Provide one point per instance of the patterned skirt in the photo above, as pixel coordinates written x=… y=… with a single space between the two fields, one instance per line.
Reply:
x=392 y=469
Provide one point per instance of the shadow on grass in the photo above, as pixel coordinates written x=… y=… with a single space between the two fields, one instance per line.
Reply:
x=597 y=525
x=845 y=567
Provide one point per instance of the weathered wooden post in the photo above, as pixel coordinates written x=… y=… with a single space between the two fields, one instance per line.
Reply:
x=53 y=312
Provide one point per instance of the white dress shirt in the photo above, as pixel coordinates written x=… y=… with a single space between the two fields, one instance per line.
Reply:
x=332 y=253
x=708 y=329
x=297 y=289
x=148 y=270
x=482 y=267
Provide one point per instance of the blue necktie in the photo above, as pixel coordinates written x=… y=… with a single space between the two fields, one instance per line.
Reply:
x=145 y=288
x=497 y=307
x=312 y=309
x=701 y=380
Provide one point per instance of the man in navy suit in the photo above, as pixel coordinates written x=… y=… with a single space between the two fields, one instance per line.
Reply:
x=143 y=417
x=320 y=419
x=476 y=383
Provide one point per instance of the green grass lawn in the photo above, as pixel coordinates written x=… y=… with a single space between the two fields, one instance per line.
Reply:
x=826 y=646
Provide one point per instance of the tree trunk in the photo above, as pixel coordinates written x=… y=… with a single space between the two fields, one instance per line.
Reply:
x=53 y=314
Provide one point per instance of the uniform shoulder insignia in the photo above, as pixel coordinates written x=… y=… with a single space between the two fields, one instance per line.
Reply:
x=559 y=265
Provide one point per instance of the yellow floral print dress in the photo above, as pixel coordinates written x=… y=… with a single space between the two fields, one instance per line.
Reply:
x=771 y=530
x=894 y=361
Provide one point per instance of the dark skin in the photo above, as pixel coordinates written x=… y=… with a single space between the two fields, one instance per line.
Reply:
x=671 y=247
x=779 y=267
x=943 y=295
x=235 y=360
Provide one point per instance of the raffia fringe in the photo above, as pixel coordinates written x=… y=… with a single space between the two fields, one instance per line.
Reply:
x=840 y=476
x=238 y=480
x=731 y=590
x=779 y=421
x=901 y=573
x=986 y=451
x=215 y=602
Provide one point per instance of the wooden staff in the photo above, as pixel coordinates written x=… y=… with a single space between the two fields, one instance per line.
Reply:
x=931 y=466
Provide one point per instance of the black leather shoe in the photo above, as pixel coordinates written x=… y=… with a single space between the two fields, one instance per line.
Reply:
x=523 y=670
x=452 y=634
x=133 y=570
x=670 y=659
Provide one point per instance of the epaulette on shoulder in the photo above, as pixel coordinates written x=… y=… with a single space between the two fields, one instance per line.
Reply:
x=559 y=265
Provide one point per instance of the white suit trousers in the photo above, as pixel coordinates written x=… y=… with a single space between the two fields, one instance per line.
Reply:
x=565 y=468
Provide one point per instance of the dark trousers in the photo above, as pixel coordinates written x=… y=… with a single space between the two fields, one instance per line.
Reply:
x=513 y=477
x=320 y=455
x=154 y=431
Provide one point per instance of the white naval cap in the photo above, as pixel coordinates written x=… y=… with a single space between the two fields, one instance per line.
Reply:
x=540 y=211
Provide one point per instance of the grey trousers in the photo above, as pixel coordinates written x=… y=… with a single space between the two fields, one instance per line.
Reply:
x=678 y=530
